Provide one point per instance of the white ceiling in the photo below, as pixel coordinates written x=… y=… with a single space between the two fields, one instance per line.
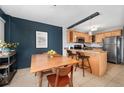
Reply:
x=66 y=15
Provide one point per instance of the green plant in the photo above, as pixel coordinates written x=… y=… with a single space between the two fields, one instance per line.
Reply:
x=51 y=52
x=4 y=44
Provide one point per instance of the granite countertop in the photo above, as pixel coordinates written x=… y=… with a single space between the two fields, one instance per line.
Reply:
x=91 y=51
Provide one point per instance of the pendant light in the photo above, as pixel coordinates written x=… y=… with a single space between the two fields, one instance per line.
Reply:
x=90 y=32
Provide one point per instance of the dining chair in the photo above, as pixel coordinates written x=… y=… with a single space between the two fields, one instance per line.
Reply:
x=62 y=77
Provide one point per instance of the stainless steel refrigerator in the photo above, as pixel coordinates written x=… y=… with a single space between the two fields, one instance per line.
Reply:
x=115 y=49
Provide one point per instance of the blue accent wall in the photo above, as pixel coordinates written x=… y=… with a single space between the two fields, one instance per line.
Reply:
x=24 y=32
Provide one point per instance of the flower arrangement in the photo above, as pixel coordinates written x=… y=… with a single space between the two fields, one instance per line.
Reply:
x=51 y=53
x=4 y=44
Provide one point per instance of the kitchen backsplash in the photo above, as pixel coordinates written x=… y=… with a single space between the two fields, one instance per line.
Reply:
x=69 y=45
x=94 y=45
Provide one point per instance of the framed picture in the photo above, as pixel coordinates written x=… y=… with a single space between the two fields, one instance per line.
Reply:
x=41 y=39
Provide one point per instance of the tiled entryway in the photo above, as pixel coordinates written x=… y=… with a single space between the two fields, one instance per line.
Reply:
x=114 y=77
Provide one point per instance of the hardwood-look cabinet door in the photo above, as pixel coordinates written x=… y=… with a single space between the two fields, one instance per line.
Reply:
x=99 y=38
x=107 y=34
x=116 y=33
x=70 y=36
x=88 y=38
x=75 y=35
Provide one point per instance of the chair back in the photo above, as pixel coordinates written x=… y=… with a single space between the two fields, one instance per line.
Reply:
x=78 y=55
x=69 y=52
x=63 y=71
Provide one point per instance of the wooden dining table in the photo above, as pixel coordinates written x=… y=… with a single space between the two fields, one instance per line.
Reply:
x=42 y=62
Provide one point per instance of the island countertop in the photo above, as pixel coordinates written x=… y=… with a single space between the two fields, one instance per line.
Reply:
x=90 y=51
x=98 y=60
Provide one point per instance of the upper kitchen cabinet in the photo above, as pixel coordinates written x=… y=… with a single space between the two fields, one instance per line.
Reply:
x=116 y=32
x=88 y=38
x=108 y=34
x=99 y=37
x=72 y=36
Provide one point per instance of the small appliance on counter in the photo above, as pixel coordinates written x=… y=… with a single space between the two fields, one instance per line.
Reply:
x=77 y=46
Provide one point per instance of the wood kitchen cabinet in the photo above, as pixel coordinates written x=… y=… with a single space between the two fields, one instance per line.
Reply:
x=107 y=34
x=72 y=35
x=113 y=33
x=97 y=59
x=116 y=33
x=99 y=37
x=69 y=36
x=88 y=38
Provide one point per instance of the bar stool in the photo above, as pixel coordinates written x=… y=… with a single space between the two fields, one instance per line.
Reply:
x=83 y=57
x=70 y=54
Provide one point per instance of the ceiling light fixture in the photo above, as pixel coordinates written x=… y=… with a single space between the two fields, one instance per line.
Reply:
x=94 y=28
x=90 y=33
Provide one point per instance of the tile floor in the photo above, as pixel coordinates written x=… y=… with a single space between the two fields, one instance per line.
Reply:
x=114 y=77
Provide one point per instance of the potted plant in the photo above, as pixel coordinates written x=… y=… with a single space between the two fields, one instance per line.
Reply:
x=51 y=53
x=7 y=47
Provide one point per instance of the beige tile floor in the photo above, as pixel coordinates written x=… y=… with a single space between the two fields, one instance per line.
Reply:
x=114 y=77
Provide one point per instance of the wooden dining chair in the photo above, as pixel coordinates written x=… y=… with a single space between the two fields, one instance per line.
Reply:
x=61 y=78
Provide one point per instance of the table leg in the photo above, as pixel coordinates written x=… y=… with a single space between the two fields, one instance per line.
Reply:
x=39 y=78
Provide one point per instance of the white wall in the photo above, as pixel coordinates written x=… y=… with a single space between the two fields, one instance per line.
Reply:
x=64 y=40
x=2 y=22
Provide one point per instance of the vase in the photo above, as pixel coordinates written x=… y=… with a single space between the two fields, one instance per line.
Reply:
x=5 y=51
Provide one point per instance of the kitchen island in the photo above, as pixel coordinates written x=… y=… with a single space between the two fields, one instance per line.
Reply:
x=98 y=60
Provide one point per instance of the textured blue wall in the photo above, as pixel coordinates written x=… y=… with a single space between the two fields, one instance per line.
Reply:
x=24 y=32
